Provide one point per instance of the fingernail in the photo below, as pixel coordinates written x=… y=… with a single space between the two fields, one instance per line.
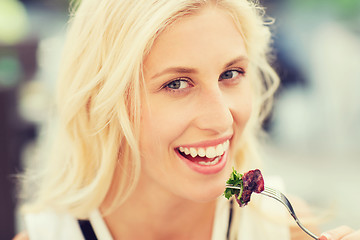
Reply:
x=325 y=236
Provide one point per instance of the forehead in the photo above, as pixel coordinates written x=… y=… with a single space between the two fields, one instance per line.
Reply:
x=210 y=34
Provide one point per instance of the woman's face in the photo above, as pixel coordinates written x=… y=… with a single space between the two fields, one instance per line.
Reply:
x=197 y=101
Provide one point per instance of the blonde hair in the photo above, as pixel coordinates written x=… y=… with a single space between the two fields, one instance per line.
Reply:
x=98 y=95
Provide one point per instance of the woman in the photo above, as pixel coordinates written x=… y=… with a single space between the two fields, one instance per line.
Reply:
x=157 y=101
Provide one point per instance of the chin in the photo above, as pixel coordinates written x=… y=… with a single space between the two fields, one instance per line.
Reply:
x=207 y=198
x=207 y=194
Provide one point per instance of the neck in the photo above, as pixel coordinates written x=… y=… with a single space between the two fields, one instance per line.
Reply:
x=152 y=214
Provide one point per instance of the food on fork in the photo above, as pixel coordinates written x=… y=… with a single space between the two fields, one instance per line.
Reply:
x=249 y=182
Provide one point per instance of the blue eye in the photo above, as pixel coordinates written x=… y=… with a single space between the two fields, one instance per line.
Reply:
x=231 y=74
x=177 y=84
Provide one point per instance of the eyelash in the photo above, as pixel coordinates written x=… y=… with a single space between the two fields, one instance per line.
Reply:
x=167 y=88
x=240 y=71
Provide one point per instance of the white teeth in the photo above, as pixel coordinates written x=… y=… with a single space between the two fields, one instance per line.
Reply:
x=226 y=145
x=187 y=151
x=209 y=152
x=201 y=152
x=216 y=160
x=219 y=150
x=193 y=152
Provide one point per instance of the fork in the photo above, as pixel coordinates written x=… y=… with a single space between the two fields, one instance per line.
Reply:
x=276 y=194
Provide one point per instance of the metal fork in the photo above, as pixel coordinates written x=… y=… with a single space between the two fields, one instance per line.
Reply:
x=276 y=194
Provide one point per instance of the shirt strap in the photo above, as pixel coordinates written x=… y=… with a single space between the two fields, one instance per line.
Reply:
x=230 y=219
x=87 y=230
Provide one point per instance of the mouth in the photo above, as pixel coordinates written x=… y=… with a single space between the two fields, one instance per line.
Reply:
x=206 y=160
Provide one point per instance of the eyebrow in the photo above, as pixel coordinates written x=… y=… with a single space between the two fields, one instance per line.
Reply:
x=175 y=70
x=236 y=60
x=193 y=70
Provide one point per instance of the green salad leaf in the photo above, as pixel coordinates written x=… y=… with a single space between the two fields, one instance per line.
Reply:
x=235 y=180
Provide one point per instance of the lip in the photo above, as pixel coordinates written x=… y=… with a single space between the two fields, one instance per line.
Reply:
x=207 y=143
x=205 y=169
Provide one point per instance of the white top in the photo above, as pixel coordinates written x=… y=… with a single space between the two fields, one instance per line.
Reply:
x=249 y=222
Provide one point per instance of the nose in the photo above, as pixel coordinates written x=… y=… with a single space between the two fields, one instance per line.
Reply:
x=213 y=111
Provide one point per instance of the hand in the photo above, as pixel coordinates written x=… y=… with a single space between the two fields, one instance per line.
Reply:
x=343 y=233
x=21 y=236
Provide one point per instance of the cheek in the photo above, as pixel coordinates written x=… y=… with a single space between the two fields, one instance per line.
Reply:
x=243 y=106
x=160 y=126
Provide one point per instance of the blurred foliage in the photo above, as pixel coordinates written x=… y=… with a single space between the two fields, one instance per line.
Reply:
x=13 y=21
x=10 y=71
x=59 y=4
x=342 y=8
